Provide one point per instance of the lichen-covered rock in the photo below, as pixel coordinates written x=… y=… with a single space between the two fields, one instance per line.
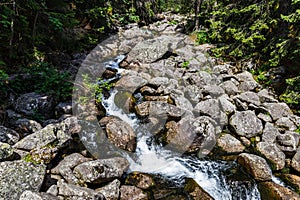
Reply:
x=270 y=133
x=102 y=170
x=210 y=107
x=130 y=83
x=266 y=96
x=230 y=87
x=38 y=139
x=30 y=195
x=256 y=166
x=249 y=97
x=230 y=144
x=8 y=135
x=273 y=154
x=226 y=106
x=111 y=191
x=277 y=110
x=213 y=90
x=140 y=180
x=74 y=192
x=287 y=142
x=270 y=190
x=151 y=50
x=292 y=179
x=65 y=167
x=132 y=193
x=245 y=123
x=19 y=176
x=195 y=191
x=6 y=151
x=32 y=103
x=121 y=135
x=284 y=123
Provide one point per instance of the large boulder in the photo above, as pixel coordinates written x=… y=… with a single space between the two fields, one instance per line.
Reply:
x=121 y=135
x=270 y=190
x=111 y=191
x=130 y=83
x=256 y=166
x=230 y=144
x=151 y=50
x=74 y=192
x=102 y=170
x=19 y=176
x=245 y=123
x=273 y=154
x=277 y=110
x=33 y=104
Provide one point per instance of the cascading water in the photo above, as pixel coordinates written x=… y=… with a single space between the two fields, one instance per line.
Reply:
x=212 y=176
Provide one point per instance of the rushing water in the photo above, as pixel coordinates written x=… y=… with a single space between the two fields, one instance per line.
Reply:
x=150 y=157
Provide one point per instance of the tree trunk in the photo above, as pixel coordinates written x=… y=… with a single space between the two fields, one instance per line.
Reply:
x=198 y=4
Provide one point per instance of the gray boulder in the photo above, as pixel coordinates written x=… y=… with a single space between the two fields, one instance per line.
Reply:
x=273 y=154
x=66 y=166
x=256 y=166
x=249 y=97
x=151 y=50
x=130 y=83
x=210 y=107
x=230 y=144
x=27 y=126
x=284 y=123
x=19 y=176
x=111 y=191
x=30 y=195
x=230 y=87
x=102 y=170
x=296 y=161
x=277 y=110
x=121 y=135
x=270 y=133
x=74 y=192
x=132 y=193
x=246 y=124
x=31 y=104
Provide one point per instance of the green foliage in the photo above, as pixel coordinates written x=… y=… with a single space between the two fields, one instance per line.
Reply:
x=3 y=84
x=292 y=93
x=202 y=37
x=185 y=64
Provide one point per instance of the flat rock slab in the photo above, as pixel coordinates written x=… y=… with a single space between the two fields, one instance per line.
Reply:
x=19 y=176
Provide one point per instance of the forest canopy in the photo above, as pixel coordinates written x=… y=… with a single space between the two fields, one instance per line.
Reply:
x=265 y=32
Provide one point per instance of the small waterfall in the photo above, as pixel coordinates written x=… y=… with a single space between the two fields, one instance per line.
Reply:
x=153 y=158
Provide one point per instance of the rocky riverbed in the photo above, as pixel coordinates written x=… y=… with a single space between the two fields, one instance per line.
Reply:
x=191 y=104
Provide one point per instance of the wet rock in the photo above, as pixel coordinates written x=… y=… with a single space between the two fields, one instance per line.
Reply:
x=31 y=104
x=130 y=83
x=8 y=135
x=125 y=101
x=111 y=191
x=273 y=154
x=270 y=190
x=27 y=126
x=277 y=110
x=19 y=176
x=284 y=123
x=132 y=193
x=65 y=167
x=74 y=192
x=245 y=123
x=121 y=135
x=256 y=166
x=292 y=180
x=230 y=144
x=29 y=195
x=151 y=50
x=296 y=161
x=6 y=151
x=101 y=171
x=192 y=135
x=140 y=180
x=270 y=133
x=195 y=191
